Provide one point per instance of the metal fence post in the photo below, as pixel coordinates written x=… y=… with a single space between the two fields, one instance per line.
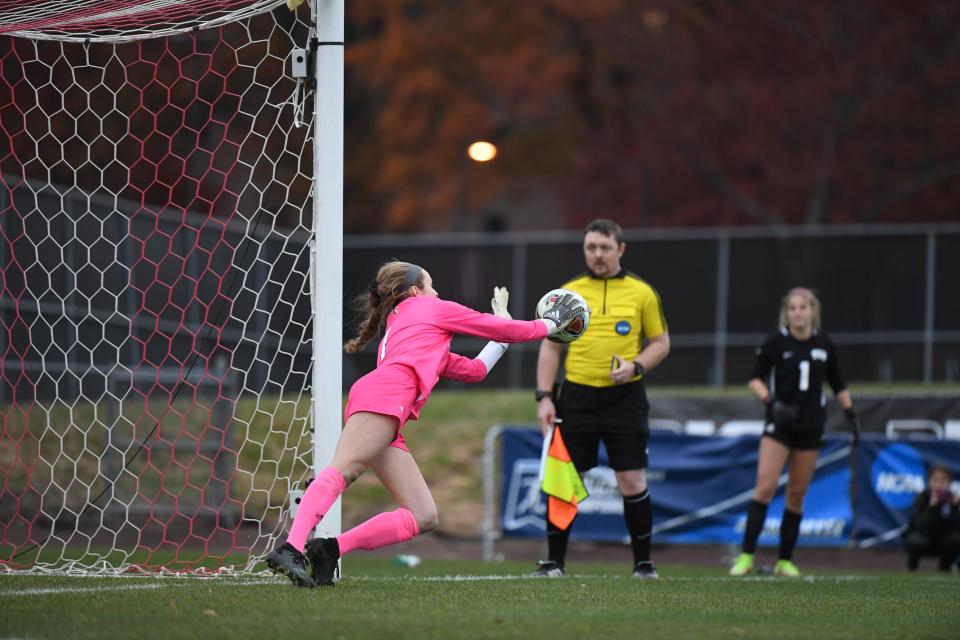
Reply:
x=126 y=235
x=929 y=307
x=720 y=319
x=74 y=378
x=490 y=532
x=518 y=304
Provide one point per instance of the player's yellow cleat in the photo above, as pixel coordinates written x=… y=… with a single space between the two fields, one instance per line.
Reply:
x=786 y=569
x=743 y=565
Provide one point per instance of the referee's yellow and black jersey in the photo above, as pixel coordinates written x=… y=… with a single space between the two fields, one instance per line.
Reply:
x=623 y=310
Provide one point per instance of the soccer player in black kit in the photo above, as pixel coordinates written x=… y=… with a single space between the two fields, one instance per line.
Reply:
x=801 y=357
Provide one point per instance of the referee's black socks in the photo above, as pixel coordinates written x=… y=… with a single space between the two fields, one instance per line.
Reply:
x=789 y=532
x=638 y=512
x=557 y=540
x=756 y=517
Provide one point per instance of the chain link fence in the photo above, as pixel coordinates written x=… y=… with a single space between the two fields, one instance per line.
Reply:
x=891 y=296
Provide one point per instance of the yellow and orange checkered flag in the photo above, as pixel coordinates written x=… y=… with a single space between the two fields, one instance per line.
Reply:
x=561 y=482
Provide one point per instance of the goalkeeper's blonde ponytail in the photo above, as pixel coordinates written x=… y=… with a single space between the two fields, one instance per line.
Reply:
x=385 y=292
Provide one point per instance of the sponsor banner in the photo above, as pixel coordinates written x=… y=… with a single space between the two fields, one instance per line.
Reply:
x=890 y=474
x=706 y=483
x=700 y=488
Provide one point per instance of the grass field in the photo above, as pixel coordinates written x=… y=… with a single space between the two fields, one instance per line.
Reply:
x=379 y=600
x=459 y=599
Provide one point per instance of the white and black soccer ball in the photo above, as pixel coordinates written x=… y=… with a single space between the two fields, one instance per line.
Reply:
x=576 y=328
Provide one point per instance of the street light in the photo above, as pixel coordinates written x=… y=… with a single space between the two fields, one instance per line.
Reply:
x=478 y=151
x=482 y=151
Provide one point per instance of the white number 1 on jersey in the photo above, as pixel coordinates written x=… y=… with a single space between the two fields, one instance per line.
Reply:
x=804 y=375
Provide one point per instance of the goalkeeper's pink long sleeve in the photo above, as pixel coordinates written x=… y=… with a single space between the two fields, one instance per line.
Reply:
x=418 y=335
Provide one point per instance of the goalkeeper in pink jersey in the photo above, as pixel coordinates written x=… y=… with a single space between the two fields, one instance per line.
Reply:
x=414 y=353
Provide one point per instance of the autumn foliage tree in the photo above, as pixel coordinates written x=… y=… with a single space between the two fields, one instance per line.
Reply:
x=655 y=113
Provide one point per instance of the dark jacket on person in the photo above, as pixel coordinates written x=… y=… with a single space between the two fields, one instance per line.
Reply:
x=933 y=521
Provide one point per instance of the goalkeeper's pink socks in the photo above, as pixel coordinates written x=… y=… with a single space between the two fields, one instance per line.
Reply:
x=316 y=501
x=379 y=531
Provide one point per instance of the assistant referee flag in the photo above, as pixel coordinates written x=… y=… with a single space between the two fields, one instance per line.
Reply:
x=561 y=483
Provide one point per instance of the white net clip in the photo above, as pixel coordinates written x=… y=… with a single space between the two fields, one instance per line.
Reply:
x=301 y=70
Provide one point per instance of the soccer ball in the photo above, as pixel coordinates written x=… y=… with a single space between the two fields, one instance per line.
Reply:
x=576 y=328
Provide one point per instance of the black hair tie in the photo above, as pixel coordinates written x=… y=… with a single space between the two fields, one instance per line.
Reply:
x=374 y=290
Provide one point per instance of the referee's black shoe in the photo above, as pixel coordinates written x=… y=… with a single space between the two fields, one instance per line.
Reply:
x=287 y=561
x=645 y=571
x=548 y=569
x=324 y=557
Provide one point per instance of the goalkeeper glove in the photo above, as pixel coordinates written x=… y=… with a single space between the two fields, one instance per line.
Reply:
x=854 y=421
x=768 y=411
x=499 y=302
x=564 y=311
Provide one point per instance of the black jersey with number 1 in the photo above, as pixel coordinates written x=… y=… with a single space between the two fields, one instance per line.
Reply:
x=799 y=369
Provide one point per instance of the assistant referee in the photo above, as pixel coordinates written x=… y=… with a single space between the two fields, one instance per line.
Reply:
x=602 y=396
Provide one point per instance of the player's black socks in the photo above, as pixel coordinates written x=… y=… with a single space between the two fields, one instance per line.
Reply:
x=557 y=540
x=756 y=516
x=638 y=512
x=789 y=532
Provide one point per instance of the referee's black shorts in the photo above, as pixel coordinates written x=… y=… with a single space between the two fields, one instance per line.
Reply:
x=617 y=415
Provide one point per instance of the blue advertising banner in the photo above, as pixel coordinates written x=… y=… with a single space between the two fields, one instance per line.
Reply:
x=890 y=474
x=701 y=486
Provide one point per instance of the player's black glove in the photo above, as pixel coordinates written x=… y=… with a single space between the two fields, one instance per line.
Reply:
x=784 y=415
x=564 y=311
x=854 y=423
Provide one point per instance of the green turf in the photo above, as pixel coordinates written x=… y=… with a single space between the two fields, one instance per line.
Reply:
x=379 y=600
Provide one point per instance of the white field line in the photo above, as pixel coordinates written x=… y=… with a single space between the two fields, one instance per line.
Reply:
x=159 y=584
x=575 y=577
x=136 y=586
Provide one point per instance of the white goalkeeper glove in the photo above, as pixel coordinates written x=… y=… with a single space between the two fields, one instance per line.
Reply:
x=492 y=352
x=499 y=302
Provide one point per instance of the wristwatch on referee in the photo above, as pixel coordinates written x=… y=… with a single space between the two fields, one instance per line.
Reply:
x=539 y=394
x=638 y=369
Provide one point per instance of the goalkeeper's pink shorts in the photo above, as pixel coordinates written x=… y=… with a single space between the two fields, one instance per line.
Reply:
x=390 y=391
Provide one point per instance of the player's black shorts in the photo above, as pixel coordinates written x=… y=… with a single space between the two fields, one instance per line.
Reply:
x=793 y=438
x=617 y=415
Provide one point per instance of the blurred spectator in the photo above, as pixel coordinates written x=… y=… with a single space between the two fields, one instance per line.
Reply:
x=934 y=528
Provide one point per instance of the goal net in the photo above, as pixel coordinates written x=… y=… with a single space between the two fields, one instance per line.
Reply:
x=155 y=320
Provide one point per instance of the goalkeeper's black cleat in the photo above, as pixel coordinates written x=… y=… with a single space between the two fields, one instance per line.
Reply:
x=324 y=557
x=645 y=571
x=548 y=569
x=286 y=560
